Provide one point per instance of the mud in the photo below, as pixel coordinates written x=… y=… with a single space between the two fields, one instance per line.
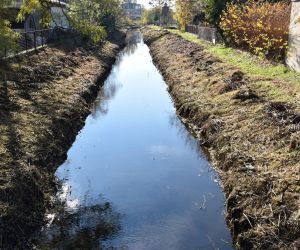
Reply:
x=44 y=100
x=251 y=139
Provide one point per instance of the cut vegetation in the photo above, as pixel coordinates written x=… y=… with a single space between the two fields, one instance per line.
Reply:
x=246 y=114
x=44 y=101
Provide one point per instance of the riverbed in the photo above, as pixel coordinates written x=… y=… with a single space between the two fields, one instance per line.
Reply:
x=135 y=178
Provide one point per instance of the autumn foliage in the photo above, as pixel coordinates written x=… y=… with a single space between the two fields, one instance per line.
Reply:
x=258 y=26
x=184 y=13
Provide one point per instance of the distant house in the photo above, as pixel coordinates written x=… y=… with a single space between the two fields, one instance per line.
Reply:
x=32 y=33
x=32 y=21
x=132 y=9
x=59 y=18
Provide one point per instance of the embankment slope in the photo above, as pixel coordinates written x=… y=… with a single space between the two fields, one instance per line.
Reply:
x=252 y=139
x=44 y=101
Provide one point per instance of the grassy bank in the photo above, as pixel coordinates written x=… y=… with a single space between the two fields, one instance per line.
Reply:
x=251 y=65
x=247 y=62
x=44 y=100
x=245 y=113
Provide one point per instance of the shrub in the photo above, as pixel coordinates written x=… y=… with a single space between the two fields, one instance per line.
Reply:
x=8 y=38
x=259 y=27
x=213 y=10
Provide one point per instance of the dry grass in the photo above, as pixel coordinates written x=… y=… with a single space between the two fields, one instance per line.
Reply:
x=252 y=138
x=43 y=103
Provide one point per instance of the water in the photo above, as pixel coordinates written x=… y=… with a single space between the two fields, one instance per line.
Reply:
x=135 y=178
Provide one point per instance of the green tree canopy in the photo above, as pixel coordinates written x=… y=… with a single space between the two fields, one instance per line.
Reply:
x=151 y=16
x=7 y=36
x=92 y=18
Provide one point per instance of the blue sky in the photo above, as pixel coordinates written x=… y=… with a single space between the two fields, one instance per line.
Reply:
x=144 y=2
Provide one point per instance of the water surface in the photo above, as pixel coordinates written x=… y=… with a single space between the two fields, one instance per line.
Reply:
x=135 y=178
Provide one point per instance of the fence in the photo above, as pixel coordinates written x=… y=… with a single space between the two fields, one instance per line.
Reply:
x=206 y=33
x=30 y=40
x=192 y=29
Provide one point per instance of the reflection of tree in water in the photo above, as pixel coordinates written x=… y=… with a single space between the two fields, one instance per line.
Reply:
x=106 y=93
x=110 y=88
x=183 y=131
x=80 y=226
x=133 y=38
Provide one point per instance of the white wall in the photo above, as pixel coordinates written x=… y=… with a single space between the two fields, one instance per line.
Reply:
x=59 y=18
x=18 y=3
x=293 y=57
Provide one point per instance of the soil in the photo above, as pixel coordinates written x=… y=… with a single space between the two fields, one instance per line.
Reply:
x=252 y=139
x=44 y=100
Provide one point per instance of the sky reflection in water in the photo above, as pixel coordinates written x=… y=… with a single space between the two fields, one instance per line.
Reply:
x=156 y=189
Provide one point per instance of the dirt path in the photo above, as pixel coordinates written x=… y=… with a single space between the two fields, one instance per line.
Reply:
x=43 y=104
x=252 y=139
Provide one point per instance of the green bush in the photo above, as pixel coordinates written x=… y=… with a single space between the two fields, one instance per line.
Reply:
x=213 y=10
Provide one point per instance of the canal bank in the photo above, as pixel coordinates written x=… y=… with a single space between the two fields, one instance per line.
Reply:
x=135 y=178
x=44 y=101
x=248 y=125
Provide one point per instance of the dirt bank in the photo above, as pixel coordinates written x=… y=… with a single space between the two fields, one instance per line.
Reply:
x=252 y=138
x=44 y=101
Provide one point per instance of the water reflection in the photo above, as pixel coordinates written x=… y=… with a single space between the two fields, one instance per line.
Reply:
x=142 y=159
x=183 y=132
x=106 y=94
x=109 y=90
x=74 y=224
x=133 y=39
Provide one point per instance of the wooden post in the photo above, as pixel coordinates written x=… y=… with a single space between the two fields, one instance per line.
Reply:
x=34 y=40
x=293 y=56
x=26 y=45
x=42 y=35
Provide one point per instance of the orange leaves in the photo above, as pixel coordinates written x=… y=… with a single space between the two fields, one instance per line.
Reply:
x=259 y=27
x=184 y=13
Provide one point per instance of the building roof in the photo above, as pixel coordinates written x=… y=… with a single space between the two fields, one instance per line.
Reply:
x=19 y=3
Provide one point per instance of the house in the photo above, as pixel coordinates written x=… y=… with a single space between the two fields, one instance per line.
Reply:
x=132 y=9
x=32 y=33
x=32 y=21
x=58 y=11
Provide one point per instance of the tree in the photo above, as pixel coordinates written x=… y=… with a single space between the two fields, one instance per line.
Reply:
x=7 y=36
x=43 y=6
x=161 y=3
x=184 y=13
x=92 y=18
x=110 y=13
x=84 y=16
x=151 y=16
x=213 y=10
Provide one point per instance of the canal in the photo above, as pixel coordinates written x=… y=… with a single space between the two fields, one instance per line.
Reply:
x=135 y=178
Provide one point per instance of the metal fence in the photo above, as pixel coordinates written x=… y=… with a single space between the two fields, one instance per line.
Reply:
x=30 y=40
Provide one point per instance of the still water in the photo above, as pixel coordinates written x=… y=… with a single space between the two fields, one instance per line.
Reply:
x=135 y=178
